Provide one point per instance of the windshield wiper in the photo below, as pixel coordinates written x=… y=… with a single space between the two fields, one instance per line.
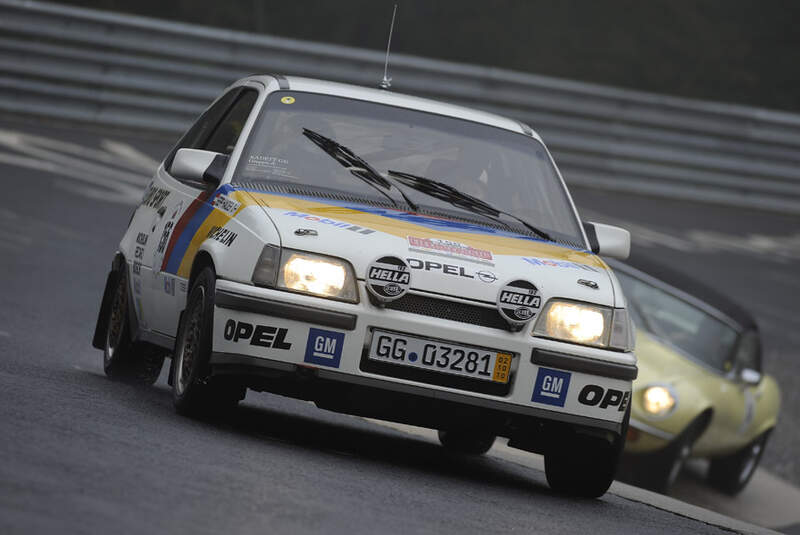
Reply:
x=354 y=163
x=448 y=193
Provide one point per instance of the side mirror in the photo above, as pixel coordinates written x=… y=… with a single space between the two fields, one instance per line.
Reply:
x=608 y=240
x=199 y=166
x=750 y=376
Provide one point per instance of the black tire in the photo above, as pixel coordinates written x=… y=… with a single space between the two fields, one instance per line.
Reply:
x=123 y=359
x=660 y=470
x=730 y=474
x=194 y=393
x=582 y=465
x=466 y=442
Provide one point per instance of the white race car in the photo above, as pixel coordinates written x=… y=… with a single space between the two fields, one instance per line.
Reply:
x=381 y=255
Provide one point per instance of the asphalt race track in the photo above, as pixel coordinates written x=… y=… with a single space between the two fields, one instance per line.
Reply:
x=82 y=454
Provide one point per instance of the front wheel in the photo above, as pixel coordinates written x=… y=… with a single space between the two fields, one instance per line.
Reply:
x=466 y=442
x=124 y=359
x=730 y=474
x=583 y=466
x=193 y=392
x=663 y=468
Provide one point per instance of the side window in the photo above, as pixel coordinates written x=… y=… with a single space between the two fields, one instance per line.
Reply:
x=196 y=136
x=227 y=133
x=219 y=127
x=748 y=354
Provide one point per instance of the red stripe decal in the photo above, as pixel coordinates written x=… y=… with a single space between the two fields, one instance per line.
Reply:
x=182 y=222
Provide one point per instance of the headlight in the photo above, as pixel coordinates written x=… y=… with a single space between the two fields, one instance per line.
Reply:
x=307 y=273
x=584 y=323
x=658 y=400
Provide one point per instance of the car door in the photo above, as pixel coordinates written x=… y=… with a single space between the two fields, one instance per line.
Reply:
x=176 y=234
x=735 y=401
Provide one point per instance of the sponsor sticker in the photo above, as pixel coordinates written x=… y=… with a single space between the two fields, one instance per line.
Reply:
x=287 y=100
x=518 y=302
x=449 y=248
x=169 y=285
x=162 y=241
x=222 y=235
x=551 y=387
x=331 y=222
x=388 y=278
x=547 y=262
x=225 y=204
x=155 y=197
x=324 y=347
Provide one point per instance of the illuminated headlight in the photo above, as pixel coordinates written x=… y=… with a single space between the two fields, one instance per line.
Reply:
x=658 y=400
x=587 y=324
x=308 y=273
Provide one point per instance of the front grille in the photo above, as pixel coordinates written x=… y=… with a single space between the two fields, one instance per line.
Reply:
x=450 y=310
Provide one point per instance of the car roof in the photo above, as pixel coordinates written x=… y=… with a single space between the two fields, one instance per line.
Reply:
x=688 y=285
x=391 y=98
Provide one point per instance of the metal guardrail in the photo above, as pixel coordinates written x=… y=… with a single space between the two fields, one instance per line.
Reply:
x=122 y=70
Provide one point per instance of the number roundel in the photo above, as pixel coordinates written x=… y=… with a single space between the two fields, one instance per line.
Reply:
x=388 y=278
x=518 y=302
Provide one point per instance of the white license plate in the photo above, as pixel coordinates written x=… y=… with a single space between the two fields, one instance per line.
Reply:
x=444 y=357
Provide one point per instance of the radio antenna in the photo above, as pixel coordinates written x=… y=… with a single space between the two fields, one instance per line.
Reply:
x=386 y=83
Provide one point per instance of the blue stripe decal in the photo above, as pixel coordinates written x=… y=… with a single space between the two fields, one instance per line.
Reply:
x=185 y=239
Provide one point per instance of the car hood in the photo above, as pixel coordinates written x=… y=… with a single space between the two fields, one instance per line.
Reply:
x=446 y=256
x=659 y=362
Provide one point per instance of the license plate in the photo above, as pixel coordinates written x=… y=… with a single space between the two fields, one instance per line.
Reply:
x=455 y=359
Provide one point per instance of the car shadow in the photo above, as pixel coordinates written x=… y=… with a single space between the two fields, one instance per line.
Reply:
x=300 y=424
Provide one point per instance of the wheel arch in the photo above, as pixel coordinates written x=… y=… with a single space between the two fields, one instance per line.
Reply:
x=202 y=260
x=702 y=421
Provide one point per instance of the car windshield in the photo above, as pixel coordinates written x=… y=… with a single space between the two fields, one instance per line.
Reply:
x=345 y=148
x=679 y=323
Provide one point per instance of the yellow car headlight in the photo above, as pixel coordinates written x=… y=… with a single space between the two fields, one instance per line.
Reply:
x=308 y=273
x=658 y=400
x=585 y=323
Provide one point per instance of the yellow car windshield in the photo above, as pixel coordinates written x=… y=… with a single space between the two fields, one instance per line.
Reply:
x=679 y=323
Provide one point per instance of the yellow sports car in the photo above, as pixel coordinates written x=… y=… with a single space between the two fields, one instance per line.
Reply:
x=700 y=391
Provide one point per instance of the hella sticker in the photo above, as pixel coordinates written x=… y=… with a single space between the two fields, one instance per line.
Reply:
x=518 y=302
x=388 y=278
x=324 y=347
x=551 y=387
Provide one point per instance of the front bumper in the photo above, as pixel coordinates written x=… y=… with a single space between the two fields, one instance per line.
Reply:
x=279 y=329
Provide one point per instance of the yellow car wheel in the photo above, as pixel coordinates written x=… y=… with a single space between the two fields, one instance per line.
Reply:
x=731 y=474
x=661 y=469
